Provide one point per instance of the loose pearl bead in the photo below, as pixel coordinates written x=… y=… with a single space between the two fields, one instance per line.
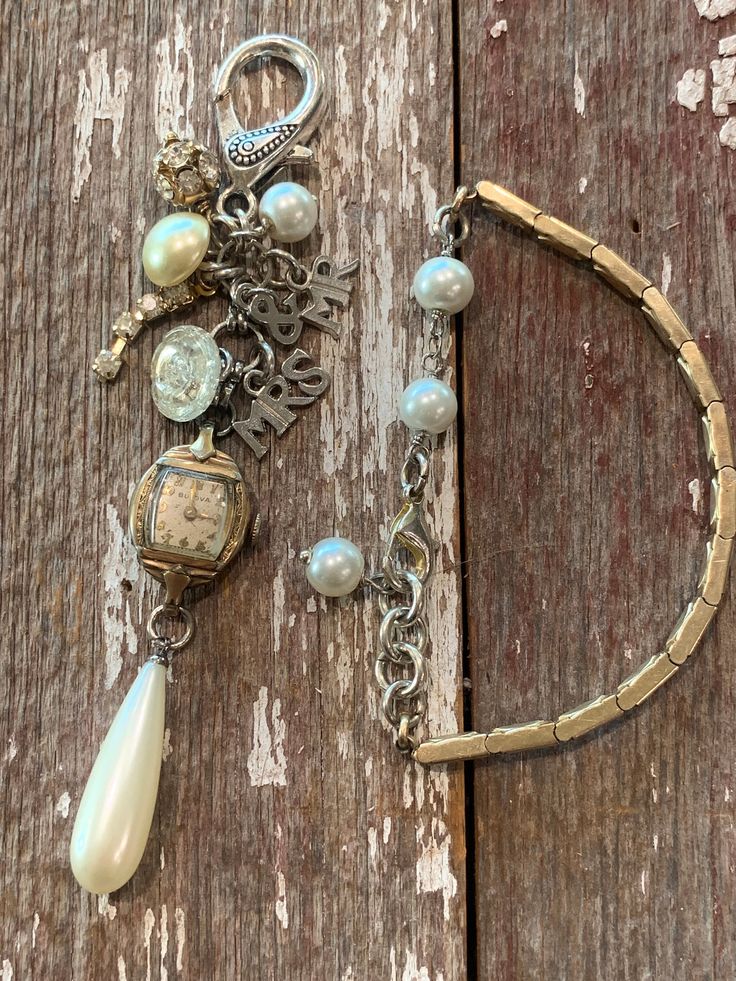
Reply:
x=174 y=247
x=443 y=283
x=115 y=813
x=288 y=211
x=428 y=404
x=335 y=567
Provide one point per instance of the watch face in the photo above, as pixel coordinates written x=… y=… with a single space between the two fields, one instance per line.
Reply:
x=189 y=514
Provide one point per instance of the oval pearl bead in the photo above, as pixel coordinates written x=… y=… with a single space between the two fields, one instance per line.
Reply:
x=288 y=211
x=174 y=247
x=114 y=817
x=335 y=567
x=443 y=283
x=428 y=404
x=185 y=373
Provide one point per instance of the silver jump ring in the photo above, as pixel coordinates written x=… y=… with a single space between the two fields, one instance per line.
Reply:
x=171 y=613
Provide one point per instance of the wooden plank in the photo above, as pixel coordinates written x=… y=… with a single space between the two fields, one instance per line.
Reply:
x=586 y=495
x=291 y=840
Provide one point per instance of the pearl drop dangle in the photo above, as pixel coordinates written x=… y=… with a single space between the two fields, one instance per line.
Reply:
x=175 y=246
x=334 y=566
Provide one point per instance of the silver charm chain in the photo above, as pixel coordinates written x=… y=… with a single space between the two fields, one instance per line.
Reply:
x=401 y=667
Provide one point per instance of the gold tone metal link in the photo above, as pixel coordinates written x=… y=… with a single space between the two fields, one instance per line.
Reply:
x=718 y=443
x=644 y=681
x=445 y=749
x=527 y=735
x=507 y=205
x=723 y=502
x=623 y=277
x=696 y=373
x=715 y=571
x=666 y=324
x=563 y=238
x=588 y=716
x=688 y=630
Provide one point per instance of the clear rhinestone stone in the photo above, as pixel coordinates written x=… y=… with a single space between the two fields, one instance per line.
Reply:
x=124 y=326
x=178 y=155
x=189 y=181
x=148 y=305
x=164 y=188
x=209 y=168
x=107 y=364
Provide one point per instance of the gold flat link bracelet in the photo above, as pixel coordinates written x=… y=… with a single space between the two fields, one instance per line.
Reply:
x=442 y=287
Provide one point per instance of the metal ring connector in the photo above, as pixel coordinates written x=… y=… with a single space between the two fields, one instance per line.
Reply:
x=164 y=612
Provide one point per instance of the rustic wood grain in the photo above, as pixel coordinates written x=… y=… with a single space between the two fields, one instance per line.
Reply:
x=584 y=532
x=291 y=841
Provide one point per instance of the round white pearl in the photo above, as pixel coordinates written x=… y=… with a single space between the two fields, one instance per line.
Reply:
x=114 y=817
x=174 y=247
x=443 y=283
x=428 y=404
x=289 y=211
x=335 y=567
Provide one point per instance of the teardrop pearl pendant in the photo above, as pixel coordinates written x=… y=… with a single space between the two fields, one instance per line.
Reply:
x=115 y=814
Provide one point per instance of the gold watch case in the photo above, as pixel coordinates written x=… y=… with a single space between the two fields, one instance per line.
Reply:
x=190 y=565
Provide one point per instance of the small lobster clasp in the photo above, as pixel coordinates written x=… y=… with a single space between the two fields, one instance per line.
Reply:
x=409 y=531
x=251 y=154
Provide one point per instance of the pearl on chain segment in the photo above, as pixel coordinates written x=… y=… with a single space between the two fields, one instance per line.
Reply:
x=175 y=246
x=114 y=817
x=428 y=404
x=185 y=373
x=288 y=211
x=443 y=283
x=335 y=566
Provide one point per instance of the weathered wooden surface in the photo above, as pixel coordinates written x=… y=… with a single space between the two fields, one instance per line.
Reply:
x=290 y=841
x=586 y=495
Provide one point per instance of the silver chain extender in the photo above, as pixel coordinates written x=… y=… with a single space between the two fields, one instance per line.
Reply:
x=401 y=667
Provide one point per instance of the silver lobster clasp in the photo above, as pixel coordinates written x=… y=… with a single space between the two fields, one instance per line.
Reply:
x=251 y=154
x=409 y=531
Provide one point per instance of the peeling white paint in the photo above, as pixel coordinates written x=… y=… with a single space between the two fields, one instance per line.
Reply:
x=174 y=76
x=105 y=907
x=122 y=973
x=727 y=135
x=7 y=974
x=12 y=750
x=723 y=93
x=164 y=938
x=386 y=829
x=282 y=913
x=162 y=859
x=727 y=46
x=582 y=185
x=691 y=88
x=181 y=936
x=34 y=930
x=166 y=750
x=666 y=273
x=499 y=28
x=655 y=842
x=149 y=922
x=96 y=100
x=433 y=866
x=62 y=805
x=695 y=493
x=713 y=9
x=267 y=761
x=644 y=881
x=578 y=89
x=373 y=846
x=119 y=628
